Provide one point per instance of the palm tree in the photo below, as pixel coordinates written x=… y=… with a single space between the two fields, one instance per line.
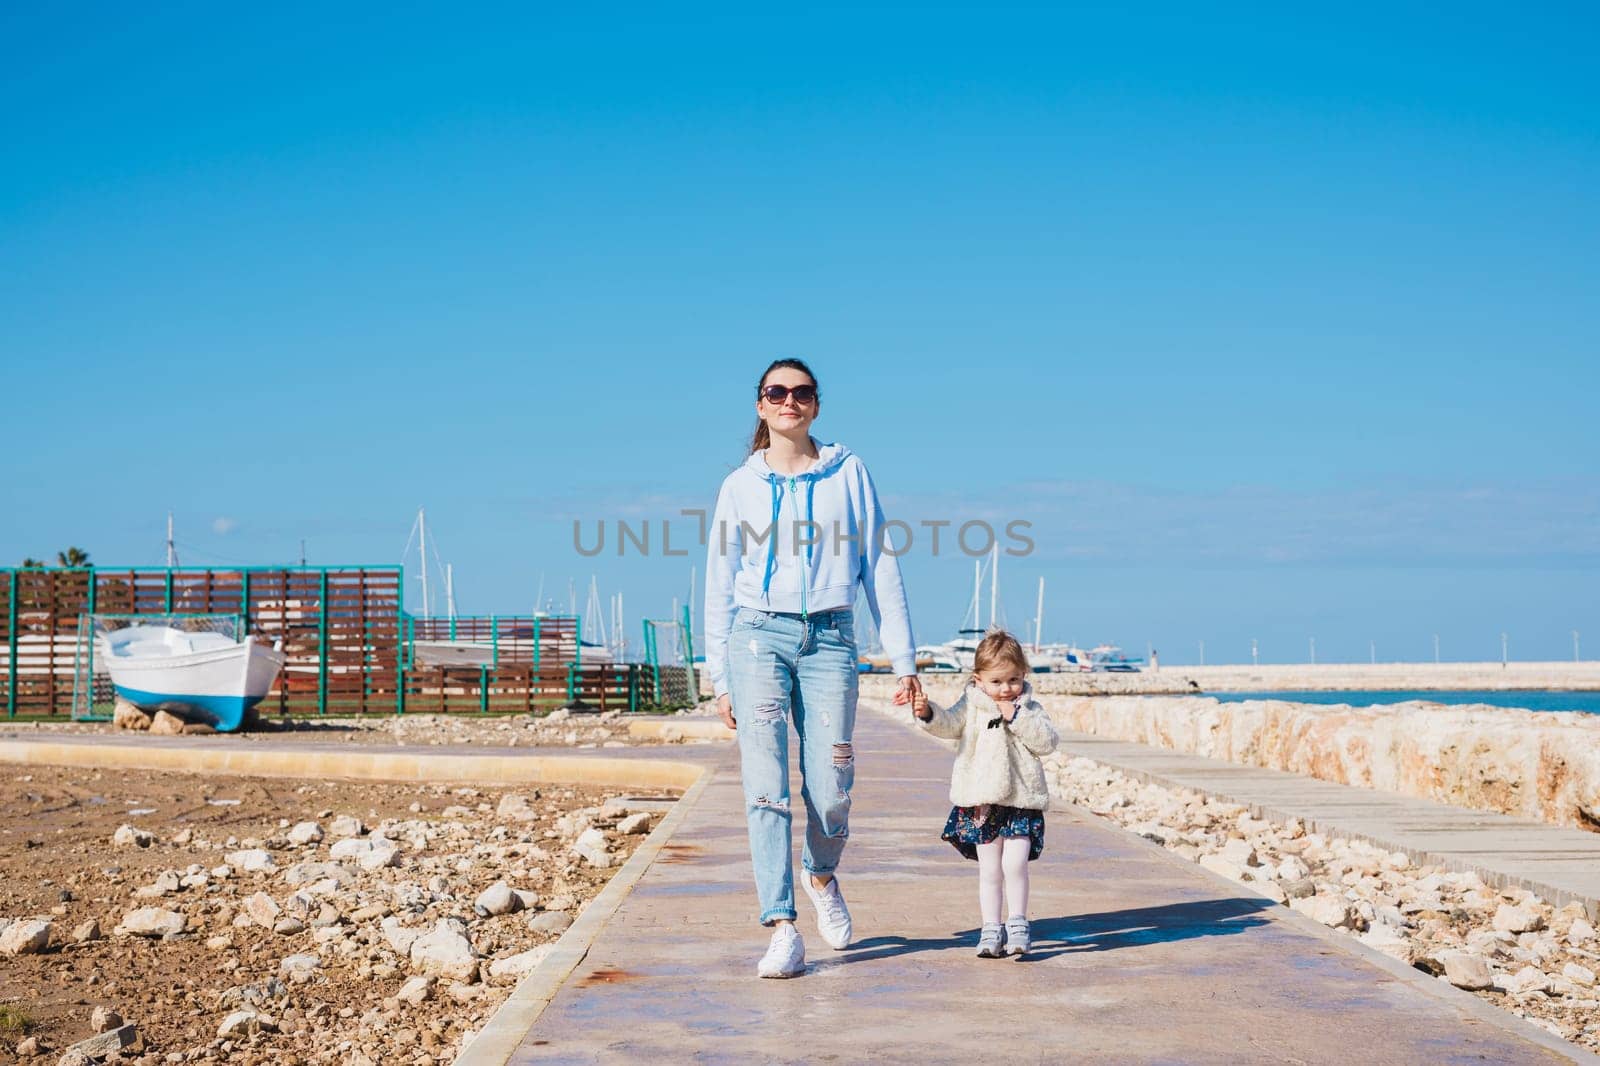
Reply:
x=31 y=563
x=73 y=557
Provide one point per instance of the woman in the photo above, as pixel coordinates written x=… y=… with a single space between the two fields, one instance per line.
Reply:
x=797 y=530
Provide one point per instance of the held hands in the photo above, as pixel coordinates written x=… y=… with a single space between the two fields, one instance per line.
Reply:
x=910 y=691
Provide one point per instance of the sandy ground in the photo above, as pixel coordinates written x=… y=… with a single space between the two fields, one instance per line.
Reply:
x=336 y=1001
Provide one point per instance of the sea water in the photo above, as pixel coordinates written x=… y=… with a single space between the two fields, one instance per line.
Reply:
x=1527 y=699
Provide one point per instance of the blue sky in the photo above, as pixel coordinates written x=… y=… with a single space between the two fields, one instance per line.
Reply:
x=1274 y=325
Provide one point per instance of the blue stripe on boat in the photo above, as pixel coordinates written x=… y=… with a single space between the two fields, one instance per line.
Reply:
x=222 y=712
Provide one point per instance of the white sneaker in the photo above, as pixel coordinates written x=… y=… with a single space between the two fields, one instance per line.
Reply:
x=786 y=955
x=833 y=917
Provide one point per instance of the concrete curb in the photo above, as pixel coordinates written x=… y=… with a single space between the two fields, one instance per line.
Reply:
x=681 y=729
x=500 y=1037
x=363 y=765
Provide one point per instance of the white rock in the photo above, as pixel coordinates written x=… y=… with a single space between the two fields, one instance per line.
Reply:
x=346 y=826
x=553 y=922
x=1219 y=865
x=262 y=909
x=1578 y=975
x=241 y=1023
x=498 y=898
x=104 y=1018
x=1240 y=853
x=1520 y=918
x=635 y=824
x=517 y=966
x=1581 y=931
x=1465 y=970
x=1387 y=940
x=127 y=836
x=1329 y=910
x=398 y=936
x=305 y=833
x=1292 y=869
x=591 y=848
x=27 y=937
x=1526 y=980
x=517 y=808
x=445 y=951
x=350 y=848
x=251 y=861
x=153 y=922
x=379 y=857
x=299 y=968
x=415 y=990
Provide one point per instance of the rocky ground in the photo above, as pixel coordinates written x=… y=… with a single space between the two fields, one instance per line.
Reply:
x=185 y=918
x=557 y=729
x=1506 y=946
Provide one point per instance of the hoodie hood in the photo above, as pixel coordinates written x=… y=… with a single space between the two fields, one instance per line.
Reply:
x=829 y=458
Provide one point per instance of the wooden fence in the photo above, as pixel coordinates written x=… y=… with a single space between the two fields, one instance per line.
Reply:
x=346 y=639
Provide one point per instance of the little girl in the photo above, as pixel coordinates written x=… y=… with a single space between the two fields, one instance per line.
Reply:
x=997 y=785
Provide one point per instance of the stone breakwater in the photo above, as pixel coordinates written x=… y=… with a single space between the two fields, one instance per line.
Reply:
x=1542 y=766
x=1534 y=765
x=1506 y=946
x=1329 y=677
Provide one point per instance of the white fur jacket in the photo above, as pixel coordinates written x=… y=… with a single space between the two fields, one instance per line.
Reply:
x=1000 y=763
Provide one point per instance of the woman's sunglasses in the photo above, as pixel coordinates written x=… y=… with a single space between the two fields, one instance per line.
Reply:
x=776 y=394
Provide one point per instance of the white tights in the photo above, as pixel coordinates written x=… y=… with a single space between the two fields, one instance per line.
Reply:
x=1003 y=864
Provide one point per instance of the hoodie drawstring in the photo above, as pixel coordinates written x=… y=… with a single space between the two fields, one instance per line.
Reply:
x=772 y=545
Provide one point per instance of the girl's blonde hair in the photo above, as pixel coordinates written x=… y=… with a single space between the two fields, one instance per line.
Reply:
x=999 y=648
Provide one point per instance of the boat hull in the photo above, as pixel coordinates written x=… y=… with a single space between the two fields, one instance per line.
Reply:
x=216 y=687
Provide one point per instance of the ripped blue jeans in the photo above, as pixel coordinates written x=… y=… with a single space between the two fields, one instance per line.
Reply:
x=783 y=669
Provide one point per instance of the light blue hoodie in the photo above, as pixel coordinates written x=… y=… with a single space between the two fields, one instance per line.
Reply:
x=835 y=508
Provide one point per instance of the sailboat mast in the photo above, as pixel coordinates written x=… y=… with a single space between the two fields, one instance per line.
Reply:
x=450 y=591
x=977 y=594
x=994 y=581
x=1038 y=618
x=422 y=530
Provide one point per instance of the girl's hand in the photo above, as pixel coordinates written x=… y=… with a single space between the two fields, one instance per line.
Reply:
x=725 y=710
x=1008 y=709
x=919 y=706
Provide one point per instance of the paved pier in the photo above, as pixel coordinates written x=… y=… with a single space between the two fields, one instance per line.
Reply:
x=1557 y=863
x=1140 y=957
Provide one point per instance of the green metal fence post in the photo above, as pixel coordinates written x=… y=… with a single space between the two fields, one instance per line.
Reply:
x=169 y=590
x=633 y=686
x=483 y=690
x=536 y=624
x=688 y=657
x=494 y=637
x=322 y=642
x=11 y=648
x=407 y=634
x=571 y=670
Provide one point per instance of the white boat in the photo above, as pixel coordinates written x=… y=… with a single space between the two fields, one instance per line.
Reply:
x=453 y=652
x=203 y=675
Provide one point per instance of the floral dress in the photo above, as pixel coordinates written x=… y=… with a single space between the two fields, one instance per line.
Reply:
x=967 y=827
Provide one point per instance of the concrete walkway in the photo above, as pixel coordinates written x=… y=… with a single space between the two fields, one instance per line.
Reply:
x=1559 y=864
x=1140 y=957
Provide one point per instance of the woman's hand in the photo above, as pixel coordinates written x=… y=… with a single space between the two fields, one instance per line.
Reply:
x=910 y=687
x=725 y=710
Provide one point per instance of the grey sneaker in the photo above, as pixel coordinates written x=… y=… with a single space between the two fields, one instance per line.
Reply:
x=992 y=942
x=1019 y=936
